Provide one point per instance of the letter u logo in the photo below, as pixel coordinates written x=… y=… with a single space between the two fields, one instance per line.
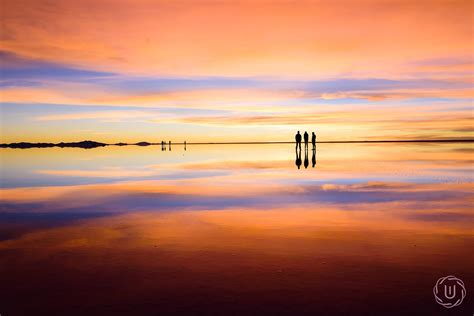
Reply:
x=449 y=291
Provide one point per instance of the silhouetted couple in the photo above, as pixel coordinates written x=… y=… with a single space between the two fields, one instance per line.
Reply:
x=306 y=139
x=306 y=160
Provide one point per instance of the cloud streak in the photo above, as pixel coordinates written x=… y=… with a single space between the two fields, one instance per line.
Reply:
x=238 y=38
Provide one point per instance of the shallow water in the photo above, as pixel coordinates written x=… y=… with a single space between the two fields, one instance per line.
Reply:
x=235 y=229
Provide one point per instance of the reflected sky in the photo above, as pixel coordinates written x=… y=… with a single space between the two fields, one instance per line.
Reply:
x=217 y=225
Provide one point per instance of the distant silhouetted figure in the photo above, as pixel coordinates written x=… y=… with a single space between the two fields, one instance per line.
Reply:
x=298 y=140
x=313 y=140
x=163 y=146
x=298 y=158
x=169 y=146
x=313 y=159
x=306 y=136
x=184 y=145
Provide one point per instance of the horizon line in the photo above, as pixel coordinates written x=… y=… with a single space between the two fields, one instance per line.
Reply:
x=145 y=143
x=330 y=142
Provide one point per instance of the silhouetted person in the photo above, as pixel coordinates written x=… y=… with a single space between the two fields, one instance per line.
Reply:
x=185 y=145
x=306 y=162
x=313 y=159
x=170 y=146
x=306 y=136
x=298 y=140
x=313 y=140
x=163 y=145
x=298 y=157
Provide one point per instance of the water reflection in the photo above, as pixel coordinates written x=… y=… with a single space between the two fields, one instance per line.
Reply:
x=221 y=228
x=306 y=159
x=298 y=157
x=313 y=158
x=306 y=162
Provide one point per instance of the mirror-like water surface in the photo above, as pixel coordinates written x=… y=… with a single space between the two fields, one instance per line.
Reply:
x=345 y=229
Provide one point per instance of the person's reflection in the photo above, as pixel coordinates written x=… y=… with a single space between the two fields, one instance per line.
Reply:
x=306 y=162
x=298 y=157
x=299 y=161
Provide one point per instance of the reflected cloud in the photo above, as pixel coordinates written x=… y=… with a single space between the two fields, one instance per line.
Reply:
x=107 y=173
x=412 y=183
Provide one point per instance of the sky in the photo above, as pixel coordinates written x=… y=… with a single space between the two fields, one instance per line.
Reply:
x=143 y=70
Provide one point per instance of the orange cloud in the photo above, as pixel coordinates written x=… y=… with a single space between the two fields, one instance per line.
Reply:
x=283 y=38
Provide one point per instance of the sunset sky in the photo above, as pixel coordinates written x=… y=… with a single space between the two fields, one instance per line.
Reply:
x=136 y=70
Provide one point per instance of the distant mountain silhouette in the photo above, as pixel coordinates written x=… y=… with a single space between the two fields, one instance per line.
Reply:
x=86 y=144
x=143 y=144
